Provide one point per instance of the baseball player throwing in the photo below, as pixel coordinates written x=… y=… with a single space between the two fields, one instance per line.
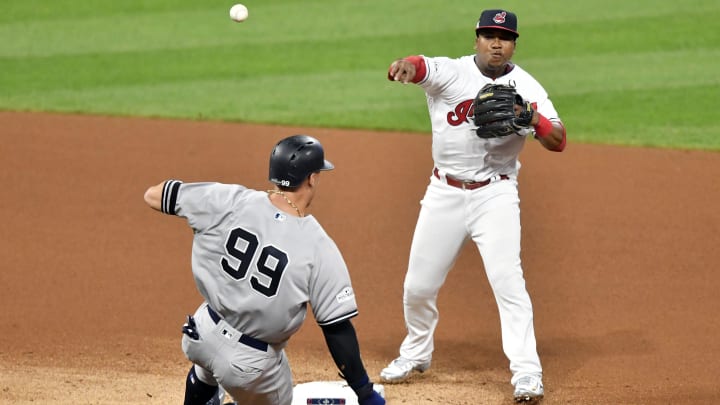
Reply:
x=258 y=260
x=473 y=194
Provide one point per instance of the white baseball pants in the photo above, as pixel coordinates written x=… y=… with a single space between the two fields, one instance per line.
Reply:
x=490 y=216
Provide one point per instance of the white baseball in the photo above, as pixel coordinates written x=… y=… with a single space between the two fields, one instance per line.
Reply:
x=238 y=13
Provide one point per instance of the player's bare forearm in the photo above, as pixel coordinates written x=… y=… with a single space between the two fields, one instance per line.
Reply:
x=153 y=196
x=555 y=140
x=550 y=134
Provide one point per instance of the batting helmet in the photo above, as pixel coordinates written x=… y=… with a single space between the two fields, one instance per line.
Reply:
x=296 y=157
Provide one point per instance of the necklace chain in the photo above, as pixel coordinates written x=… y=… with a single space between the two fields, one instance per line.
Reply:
x=292 y=204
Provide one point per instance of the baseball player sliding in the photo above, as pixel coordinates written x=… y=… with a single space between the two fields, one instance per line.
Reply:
x=258 y=260
x=473 y=194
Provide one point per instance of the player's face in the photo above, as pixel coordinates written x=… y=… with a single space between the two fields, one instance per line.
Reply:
x=494 y=48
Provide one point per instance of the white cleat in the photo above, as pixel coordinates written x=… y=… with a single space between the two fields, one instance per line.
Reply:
x=529 y=389
x=400 y=369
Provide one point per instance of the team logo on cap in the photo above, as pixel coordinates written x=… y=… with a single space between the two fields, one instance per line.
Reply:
x=500 y=18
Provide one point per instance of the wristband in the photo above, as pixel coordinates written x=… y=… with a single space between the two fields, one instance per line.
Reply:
x=543 y=127
x=420 y=70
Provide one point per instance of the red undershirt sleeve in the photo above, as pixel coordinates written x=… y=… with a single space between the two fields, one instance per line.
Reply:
x=420 y=69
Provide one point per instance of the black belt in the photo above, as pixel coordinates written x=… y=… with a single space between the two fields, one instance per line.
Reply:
x=244 y=339
x=466 y=185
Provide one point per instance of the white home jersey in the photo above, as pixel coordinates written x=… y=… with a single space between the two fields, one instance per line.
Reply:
x=456 y=149
x=257 y=266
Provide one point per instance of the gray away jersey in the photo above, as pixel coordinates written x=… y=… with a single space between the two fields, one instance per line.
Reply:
x=257 y=266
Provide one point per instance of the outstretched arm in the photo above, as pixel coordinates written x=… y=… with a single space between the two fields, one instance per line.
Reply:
x=407 y=70
x=345 y=350
x=153 y=196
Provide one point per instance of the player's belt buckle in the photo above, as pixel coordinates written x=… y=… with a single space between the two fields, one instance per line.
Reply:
x=468 y=185
x=472 y=185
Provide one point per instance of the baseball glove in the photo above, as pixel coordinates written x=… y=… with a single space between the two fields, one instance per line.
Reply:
x=495 y=112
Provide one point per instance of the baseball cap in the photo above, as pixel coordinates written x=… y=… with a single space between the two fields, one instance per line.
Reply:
x=497 y=19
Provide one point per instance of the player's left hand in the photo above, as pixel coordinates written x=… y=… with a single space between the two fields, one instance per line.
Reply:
x=523 y=114
x=498 y=111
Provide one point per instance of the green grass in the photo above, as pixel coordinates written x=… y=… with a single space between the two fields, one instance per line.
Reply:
x=633 y=73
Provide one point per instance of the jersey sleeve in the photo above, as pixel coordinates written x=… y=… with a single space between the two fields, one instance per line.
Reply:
x=169 y=196
x=547 y=109
x=331 y=294
x=534 y=92
x=202 y=204
x=441 y=73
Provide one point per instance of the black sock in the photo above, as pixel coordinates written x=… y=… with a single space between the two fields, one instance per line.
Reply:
x=196 y=391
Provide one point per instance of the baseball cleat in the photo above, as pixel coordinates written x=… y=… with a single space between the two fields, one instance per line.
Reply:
x=529 y=389
x=401 y=368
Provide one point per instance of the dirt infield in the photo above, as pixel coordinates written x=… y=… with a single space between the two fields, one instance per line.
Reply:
x=620 y=249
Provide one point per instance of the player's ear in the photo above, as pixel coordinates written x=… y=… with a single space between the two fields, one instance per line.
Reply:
x=313 y=179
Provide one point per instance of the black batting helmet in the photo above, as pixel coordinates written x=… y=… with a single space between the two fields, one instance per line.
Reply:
x=296 y=157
